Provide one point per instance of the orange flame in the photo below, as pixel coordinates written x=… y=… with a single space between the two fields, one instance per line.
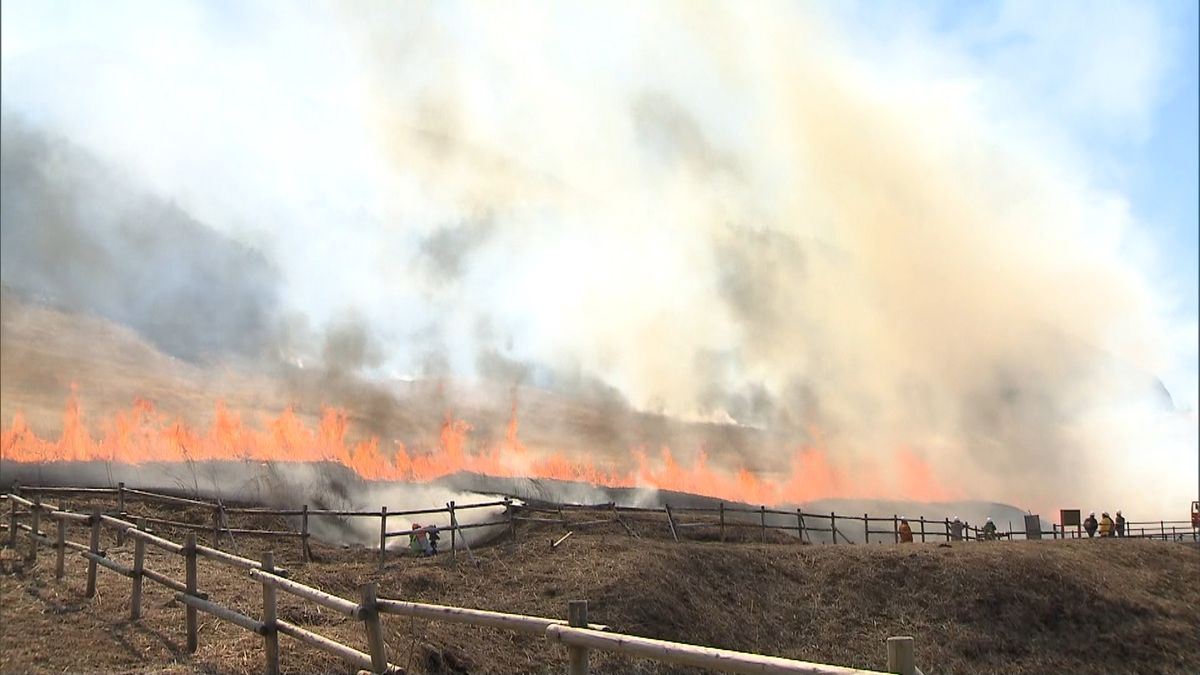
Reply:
x=143 y=434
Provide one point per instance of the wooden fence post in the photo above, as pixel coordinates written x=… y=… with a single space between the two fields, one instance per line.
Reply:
x=60 y=563
x=216 y=526
x=833 y=527
x=671 y=521
x=94 y=547
x=382 y=534
x=370 y=617
x=612 y=506
x=896 y=528
x=121 y=511
x=466 y=544
x=901 y=657
x=12 y=526
x=763 y=518
x=189 y=551
x=800 y=529
x=577 y=616
x=270 y=632
x=36 y=521
x=922 y=529
x=139 y=563
x=304 y=534
x=453 y=533
x=721 y=509
x=866 y=528
x=512 y=526
x=947 y=529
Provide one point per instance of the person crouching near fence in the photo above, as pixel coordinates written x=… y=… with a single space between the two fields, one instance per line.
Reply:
x=434 y=538
x=418 y=540
x=1107 y=528
x=905 y=532
x=1089 y=524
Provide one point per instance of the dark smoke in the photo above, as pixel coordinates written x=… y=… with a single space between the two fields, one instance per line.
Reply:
x=75 y=233
x=445 y=252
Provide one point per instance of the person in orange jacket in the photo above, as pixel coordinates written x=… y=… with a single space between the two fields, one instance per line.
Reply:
x=905 y=532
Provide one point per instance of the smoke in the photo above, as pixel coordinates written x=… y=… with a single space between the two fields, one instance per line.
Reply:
x=77 y=234
x=719 y=213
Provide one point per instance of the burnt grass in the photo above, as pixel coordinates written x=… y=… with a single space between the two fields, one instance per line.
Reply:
x=1114 y=606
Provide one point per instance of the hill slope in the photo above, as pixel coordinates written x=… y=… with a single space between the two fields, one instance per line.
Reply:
x=1120 y=606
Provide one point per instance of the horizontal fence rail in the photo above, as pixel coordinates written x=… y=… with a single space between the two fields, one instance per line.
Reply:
x=723 y=660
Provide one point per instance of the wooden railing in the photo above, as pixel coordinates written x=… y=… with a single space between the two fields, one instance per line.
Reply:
x=220 y=520
x=678 y=520
x=576 y=633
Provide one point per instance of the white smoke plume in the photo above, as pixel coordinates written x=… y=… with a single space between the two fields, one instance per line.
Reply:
x=723 y=211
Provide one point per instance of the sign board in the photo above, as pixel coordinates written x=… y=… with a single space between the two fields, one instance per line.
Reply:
x=1033 y=527
x=1069 y=518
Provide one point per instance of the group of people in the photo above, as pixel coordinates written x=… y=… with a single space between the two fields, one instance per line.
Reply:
x=1106 y=526
x=987 y=532
x=424 y=540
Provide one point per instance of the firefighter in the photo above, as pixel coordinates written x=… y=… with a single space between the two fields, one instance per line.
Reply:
x=1089 y=525
x=905 y=532
x=1106 y=525
x=1120 y=524
x=989 y=530
x=956 y=529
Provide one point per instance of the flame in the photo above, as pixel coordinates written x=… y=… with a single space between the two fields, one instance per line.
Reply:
x=143 y=434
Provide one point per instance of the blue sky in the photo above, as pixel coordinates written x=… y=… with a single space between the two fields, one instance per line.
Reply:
x=1139 y=128
x=1164 y=190
x=1116 y=82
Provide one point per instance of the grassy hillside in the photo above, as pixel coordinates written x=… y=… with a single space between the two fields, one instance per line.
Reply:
x=44 y=349
x=1119 y=606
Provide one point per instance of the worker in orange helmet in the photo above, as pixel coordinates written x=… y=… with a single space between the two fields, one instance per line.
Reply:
x=905 y=532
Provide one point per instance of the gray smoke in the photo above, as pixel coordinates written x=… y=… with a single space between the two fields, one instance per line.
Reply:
x=77 y=234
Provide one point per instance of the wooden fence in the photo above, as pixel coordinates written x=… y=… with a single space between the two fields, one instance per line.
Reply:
x=575 y=632
x=838 y=528
x=832 y=527
x=220 y=526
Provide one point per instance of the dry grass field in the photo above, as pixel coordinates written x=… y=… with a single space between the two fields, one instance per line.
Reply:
x=1117 y=606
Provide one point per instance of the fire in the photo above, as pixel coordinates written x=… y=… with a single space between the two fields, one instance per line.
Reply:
x=143 y=434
